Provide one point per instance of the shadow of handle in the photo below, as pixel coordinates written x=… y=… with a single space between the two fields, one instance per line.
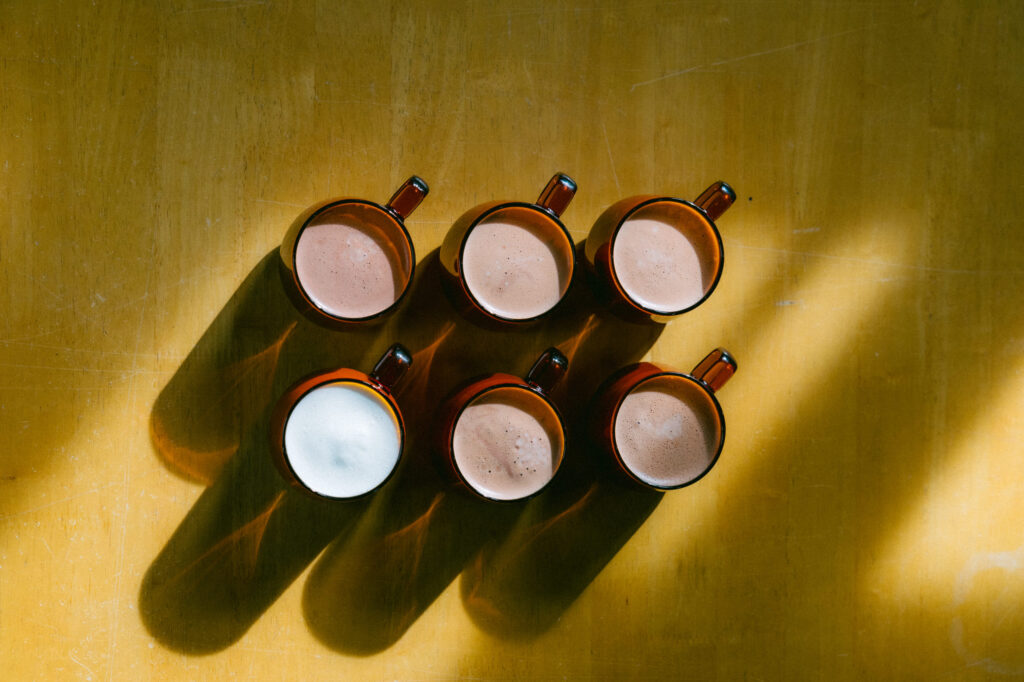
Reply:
x=521 y=586
x=240 y=546
x=361 y=597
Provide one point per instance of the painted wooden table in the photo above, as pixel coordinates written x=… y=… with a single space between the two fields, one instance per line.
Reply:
x=865 y=519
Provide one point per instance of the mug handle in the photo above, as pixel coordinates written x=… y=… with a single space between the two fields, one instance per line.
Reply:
x=716 y=199
x=550 y=367
x=716 y=369
x=557 y=194
x=391 y=367
x=405 y=200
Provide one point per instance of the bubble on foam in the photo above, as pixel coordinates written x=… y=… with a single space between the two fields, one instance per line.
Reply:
x=342 y=440
x=506 y=445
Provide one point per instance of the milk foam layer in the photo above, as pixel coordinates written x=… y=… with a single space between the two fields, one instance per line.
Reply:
x=515 y=267
x=663 y=258
x=348 y=267
x=342 y=439
x=508 y=443
x=667 y=432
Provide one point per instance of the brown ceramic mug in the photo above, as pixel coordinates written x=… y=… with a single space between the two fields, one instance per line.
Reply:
x=339 y=434
x=657 y=257
x=663 y=428
x=351 y=261
x=510 y=262
x=500 y=436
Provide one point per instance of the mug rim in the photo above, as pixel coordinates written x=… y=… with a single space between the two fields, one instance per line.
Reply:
x=386 y=399
x=450 y=440
x=700 y=215
x=661 y=373
x=546 y=214
x=390 y=215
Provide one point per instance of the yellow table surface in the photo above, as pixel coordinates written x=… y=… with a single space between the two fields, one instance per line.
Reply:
x=866 y=518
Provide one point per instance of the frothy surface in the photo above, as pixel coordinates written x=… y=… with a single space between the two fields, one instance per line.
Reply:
x=349 y=268
x=515 y=268
x=667 y=431
x=508 y=443
x=342 y=439
x=663 y=257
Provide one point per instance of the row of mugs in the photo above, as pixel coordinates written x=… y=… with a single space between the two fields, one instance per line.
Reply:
x=340 y=434
x=507 y=262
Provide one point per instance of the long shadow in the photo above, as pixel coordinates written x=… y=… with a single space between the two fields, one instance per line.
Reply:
x=240 y=546
x=228 y=381
x=519 y=585
x=370 y=587
x=249 y=535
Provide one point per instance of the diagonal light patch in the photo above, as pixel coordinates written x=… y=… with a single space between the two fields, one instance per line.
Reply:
x=957 y=555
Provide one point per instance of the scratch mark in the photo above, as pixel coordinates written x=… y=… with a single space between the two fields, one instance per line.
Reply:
x=47 y=546
x=225 y=5
x=608 y=146
x=90 y=351
x=870 y=261
x=805 y=230
x=783 y=48
x=279 y=203
x=20 y=339
x=91 y=671
x=55 y=502
x=785 y=303
x=49 y=368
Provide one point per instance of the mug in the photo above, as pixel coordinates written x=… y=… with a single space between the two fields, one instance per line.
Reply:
x=351 y=261
x=508 y=263
x=656 y=257
x=339 y=434
x=501 y=437
x=663 y=429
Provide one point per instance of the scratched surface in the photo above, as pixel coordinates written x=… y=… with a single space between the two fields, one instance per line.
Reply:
x=865 y=519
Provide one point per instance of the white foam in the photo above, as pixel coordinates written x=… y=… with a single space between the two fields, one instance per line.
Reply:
x=342 y=440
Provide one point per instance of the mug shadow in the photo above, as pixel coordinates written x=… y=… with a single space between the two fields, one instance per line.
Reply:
x=244 y=541
x=250 y=534
x=519 y=586
x=371 y=585
x=257 y=342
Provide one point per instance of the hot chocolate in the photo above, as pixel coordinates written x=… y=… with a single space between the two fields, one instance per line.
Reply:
x=342 y=439
x=516 y=266
x=665 y=256
x=348 y=266
x=508 y=443
x=667 y=431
